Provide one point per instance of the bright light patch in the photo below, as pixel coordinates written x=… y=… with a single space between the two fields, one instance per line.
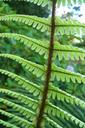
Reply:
x=64 y=10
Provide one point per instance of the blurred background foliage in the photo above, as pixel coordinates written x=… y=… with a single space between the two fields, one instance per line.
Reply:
x=14 y=47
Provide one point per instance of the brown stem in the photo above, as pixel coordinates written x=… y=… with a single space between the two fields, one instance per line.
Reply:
x=49 y=66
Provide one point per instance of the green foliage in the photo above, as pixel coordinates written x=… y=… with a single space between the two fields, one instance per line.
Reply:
x=46 y=2
x=22 y=104
x=43 y=24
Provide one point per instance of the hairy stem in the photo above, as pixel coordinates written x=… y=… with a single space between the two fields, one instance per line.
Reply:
x=49 y=66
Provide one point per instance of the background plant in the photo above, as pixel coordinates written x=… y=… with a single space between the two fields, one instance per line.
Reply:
x=61 y=116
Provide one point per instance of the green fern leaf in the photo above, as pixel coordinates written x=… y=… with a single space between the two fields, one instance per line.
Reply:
x=25 y=84
x=43 y=24
x=62 y=51
x=28 y=65
x=56 y=111
x=67 y=52
x=69 y=2
x=26 y=100
x=22 y=98
x=42 y=3
x=22 y=110
x=59 y=2
x=48 y=110
x=14 y=118
x=20 y=120
x=7 y=125
x=39 y=2
x=55 y=92
x=34 y=21
x=69 y=26
x=36 y=45
x=57 y=72
x=52 y=122
x=61 y=95
x=64 y=75
x=27 y=105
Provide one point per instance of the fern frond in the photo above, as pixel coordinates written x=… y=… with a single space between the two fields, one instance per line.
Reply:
x=57 y=72
x=59 y=2
x=25 y=84
x=25 y=100
x=22 y=122
x=22 y=110
x=67 y=52
x=55 y=92
x=34 y=21
x=54 y=124
x=42 y=3
x=29 y=102
x=43 y=24
x=7 y=125
x=48 y=110
x=38 y=46
x=22 y=98
x=56 y=111
x=28 y=65
x=62 y=51
x=69 y=26
x=34 y=104
x=69 y=2
x=64 y=75
x=16 y=120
